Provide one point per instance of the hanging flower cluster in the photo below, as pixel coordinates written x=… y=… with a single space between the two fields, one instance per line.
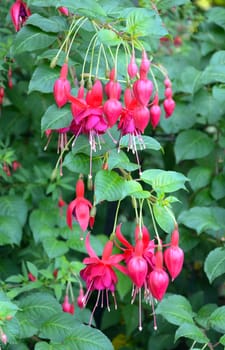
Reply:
x=145 y=263
x=94 y=111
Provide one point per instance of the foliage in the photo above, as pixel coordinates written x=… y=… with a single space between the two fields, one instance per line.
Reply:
x=172 y=174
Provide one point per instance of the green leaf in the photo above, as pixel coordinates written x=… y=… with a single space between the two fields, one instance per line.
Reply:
x=146 y=142
x=58 y=326
x=10 y=230
x=29 y=39
x=43 y=79
x=179 y=121
x=176 y=309
x=217 y=15
x=130 y=315
x=192 y=144
x=163 y=217
x=54 y=247
x=202 y=317
x=213 y=74
x=218 y=186
x=7 y=308
x=199 y=177
x=222 y=340
x=217 y=319
x=14 y=206
x=214 y=265
x=124 y=284
x=191 y=331
x=87 y=338
x=112 y=187
x=108 y=37
x=80 y=163
x=167 y=4
x=42 y=222
x=120 y=160
x=163 y=181
x=56 y=118
x=143 y=22
x=43 y=346
x=12 y=330
x=35 y=309
x=88 y=8
x=204 y=219
x=32 y=268
x=51 y=24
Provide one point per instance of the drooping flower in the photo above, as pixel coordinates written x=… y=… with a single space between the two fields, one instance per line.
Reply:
x=63 y=10
x=79 y=208
x=158 y=280
x=174 y=256
x=99 y=273
x=19 y=13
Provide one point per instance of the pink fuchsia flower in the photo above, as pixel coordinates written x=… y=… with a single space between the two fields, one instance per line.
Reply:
x=158 y=280
x=79 y=208
x=19 y=13
x=99 y=273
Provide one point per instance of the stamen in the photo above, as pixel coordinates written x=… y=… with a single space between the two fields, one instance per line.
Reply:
x=87 y=295
x=153 y=313
x=114 y=298
x=139 y=311
x=107 y=299
x=102 y=302
x=93 y=311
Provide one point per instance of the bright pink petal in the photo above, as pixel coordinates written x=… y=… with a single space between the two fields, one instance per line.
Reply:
x=89 y=248
x=69 y=213
x=82 y=212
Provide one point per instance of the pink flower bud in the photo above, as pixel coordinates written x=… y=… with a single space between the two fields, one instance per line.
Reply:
x=66 y=305
x=112 y=109
x=132 y=67
x=143 y=90
x=169 y=106
x=137 y=269
x=141 y=117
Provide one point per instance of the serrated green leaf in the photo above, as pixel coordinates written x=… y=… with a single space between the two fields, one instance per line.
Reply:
x=217 y=319
x=43 y=79
x=112 y=187
x=14 y=206
x=192 y=144
x=7 y=308
x=35 y=309
x=213 y=74
x=58 y=326
x=80 y=163
x=50 y=25
x=87 y=338
x=163 y=181
x=191 y=331
x=10 y=230
x=12 y=330
x=214 y=265
x=176 y=309
x=56 y=118
x=199 y=177
x=54 y=247
x=29 y=39
x=163 y=217
x=204 y=219
x=32 y=268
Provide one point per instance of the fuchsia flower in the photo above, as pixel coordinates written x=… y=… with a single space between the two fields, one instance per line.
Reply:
x=79 y=208
x=174 y=256
x=19 y=13
x=63 y=10
x=99 y=273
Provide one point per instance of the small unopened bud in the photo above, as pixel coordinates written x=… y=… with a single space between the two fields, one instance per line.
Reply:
x=53 y=62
